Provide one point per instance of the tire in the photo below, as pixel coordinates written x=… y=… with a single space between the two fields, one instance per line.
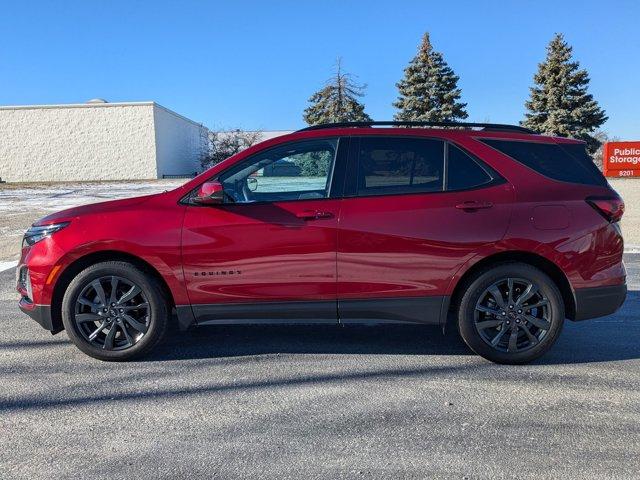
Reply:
x=137 y=312
x=528 y=317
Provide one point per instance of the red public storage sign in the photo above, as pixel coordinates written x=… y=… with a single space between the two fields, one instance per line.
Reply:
x=621 y=159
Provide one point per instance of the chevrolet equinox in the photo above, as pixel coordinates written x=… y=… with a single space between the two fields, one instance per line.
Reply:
x=491 y=229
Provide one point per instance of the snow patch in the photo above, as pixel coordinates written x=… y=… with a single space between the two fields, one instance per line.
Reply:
x=59 y=197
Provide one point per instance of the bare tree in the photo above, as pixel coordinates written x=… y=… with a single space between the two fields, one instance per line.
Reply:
x=225 y=143
x=602 y=137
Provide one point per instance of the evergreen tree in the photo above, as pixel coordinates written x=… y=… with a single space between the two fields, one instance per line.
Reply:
x=559 y=103
x=313 y=164
x=337 y=101
x=429 y=90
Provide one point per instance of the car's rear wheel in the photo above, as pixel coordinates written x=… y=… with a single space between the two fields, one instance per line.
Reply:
x=511 y=313
x=115 y=311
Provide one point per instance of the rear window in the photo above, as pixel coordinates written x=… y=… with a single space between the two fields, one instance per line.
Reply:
x=567 y=163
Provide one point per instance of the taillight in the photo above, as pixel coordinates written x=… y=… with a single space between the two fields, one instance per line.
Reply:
x=611 y=208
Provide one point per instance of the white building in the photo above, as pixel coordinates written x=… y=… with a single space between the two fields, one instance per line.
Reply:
x=269 y=134
x=97 y=141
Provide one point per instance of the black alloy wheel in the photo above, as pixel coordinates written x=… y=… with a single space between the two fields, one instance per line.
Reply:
x=112 y=313
x=115 y=311
x=510 y=313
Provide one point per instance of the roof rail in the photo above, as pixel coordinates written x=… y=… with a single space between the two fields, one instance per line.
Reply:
x=483 y=126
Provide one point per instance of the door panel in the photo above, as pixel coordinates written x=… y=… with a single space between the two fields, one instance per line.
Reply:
x=416 y=210
x=412 y=245
x=261 y=252
x=269 y=252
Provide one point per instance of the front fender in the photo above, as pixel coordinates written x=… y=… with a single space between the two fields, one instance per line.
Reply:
x=167 y=265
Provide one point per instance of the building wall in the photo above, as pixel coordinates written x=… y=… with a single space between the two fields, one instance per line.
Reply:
x=77 y=142
x=269 y=134
x=180 y=143
x=629 y=190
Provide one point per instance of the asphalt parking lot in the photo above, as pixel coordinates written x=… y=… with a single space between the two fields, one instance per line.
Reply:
x=321 y=402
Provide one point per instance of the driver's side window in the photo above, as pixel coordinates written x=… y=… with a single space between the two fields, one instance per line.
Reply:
x=295 y=171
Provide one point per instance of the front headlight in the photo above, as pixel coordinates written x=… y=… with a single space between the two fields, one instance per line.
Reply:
x=35 y=234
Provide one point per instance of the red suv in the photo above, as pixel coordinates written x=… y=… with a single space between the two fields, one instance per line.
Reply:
x=492 y=228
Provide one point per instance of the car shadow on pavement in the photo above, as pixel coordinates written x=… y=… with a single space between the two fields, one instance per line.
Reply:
x=247 y=340
x=612 y=338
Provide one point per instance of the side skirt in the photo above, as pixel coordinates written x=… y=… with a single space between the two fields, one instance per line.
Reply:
x=424 y=310
x=266 y=313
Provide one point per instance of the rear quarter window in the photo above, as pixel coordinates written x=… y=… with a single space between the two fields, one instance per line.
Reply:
x=463 y=172
x=566 y=163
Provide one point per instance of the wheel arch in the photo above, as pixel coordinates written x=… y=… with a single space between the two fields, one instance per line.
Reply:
x=547 y=266
x=87 y=260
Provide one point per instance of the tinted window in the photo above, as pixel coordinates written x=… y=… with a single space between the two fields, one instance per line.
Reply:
x=463 y=172
x=298 y=171
x=400 y=165
x=552 y=160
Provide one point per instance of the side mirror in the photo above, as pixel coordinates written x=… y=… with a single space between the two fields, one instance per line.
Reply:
x=209 y=193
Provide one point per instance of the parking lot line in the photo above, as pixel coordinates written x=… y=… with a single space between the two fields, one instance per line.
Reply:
x=7 y=265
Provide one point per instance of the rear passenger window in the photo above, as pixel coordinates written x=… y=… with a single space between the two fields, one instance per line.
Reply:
x=463 y=172
x=568 y=164
x=400 y=165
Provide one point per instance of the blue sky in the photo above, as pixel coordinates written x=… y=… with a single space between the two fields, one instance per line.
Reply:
x=253 y=65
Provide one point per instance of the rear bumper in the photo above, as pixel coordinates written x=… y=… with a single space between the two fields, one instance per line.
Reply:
x=40 y=313
x=599 y=301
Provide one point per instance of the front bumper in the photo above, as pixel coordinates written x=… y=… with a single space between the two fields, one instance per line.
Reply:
x=40 y=313
x=599 y=301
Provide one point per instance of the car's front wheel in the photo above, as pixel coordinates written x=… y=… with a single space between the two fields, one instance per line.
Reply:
x=114 y=311
x=511 y=313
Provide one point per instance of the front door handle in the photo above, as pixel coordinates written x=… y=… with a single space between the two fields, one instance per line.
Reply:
x=473 y=205
x=314 y=214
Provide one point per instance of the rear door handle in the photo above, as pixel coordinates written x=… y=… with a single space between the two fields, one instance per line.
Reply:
x=314 y=214
x=473 y=205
